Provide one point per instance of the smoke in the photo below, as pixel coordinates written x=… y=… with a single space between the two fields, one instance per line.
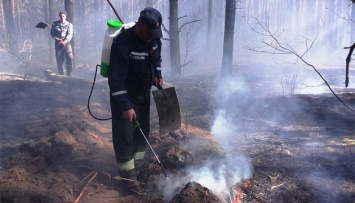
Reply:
x=236 y=166
x=222 y=128
x=218 y=175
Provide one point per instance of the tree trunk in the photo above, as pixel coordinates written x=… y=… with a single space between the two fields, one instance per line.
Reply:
x=100 y=21
x=209 y=23
x=82 y=25
x=149 y=3
x=352 y=33
x=69 y=8
x=175 y=62
x=49 y=57
x=227 y=60
x=10 y=24
x=52 y=16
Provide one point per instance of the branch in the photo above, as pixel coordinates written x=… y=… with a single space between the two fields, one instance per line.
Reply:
x=344 y=18
x=167 y=31
x=85 y=187
x=187 y=63
x=274 y=46
x=348 y=59
x=182 y=17
x=10 y=47
x=187 y=24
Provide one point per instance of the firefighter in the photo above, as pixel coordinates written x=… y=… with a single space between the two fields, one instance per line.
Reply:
x=135 y=65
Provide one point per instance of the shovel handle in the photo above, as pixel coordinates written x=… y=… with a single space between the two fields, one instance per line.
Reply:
x=161 y=88
x=114 y=10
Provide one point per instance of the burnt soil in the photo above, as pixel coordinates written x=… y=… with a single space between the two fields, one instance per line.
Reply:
x=301 y=147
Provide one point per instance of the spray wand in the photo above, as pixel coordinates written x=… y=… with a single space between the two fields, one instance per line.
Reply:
x=137 y=125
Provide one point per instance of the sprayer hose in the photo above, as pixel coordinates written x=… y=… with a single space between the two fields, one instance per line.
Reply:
x=92 y=88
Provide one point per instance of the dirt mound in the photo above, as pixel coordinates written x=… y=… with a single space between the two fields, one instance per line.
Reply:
x=195 y=192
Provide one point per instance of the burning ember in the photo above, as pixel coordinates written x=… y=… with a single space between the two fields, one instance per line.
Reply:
x=237 y=194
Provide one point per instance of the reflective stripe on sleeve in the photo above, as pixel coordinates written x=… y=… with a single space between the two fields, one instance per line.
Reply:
x=119 y=92
x=139 y=155
x=139 y=53
x=126 y=166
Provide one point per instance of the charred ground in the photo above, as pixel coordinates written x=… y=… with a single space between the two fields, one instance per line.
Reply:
x=301 y=147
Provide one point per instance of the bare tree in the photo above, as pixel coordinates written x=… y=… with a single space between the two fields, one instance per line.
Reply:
x=51 y=13
x=209 y=23
x=352 y=38
x=348 y=59
x=175 y=62
x=97 y=8
x=352 y=33
x=227 y=60
x=11 y=45
x=174 y=34
x=150 y=3
x=271 y=44
x=10 y=23
x=69 y=8
x=351 y=19
x=188 y=35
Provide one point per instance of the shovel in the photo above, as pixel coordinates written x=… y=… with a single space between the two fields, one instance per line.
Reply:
x=168 y=109
x=42 y=25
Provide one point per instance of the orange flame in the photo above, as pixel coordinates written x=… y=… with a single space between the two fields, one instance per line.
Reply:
x=246 y=183
x=237 y=195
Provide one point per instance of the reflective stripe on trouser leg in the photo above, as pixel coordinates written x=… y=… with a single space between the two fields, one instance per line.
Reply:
x=126 y=166
x=139 y=155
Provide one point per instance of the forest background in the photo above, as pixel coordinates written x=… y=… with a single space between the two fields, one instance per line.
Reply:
x=195 y=39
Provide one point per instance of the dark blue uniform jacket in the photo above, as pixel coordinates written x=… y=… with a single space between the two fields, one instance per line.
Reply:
x=133 y=66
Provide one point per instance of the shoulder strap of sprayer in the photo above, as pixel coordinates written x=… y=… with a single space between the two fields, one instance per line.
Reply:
x=129 y=37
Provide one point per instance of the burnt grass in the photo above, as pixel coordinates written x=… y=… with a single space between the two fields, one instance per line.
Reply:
x=300 y=147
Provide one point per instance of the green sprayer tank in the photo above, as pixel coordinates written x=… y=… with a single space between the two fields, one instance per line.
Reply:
x=113 y=29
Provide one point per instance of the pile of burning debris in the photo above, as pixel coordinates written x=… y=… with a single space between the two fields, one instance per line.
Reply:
x=195 y=192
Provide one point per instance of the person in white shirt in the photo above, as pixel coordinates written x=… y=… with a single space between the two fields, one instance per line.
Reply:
x=62 y=33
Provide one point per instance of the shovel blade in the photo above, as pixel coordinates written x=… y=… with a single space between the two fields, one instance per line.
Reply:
x=168 y=110
x=42 y=25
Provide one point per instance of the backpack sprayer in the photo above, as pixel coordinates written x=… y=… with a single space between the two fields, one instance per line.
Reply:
x=113 y=29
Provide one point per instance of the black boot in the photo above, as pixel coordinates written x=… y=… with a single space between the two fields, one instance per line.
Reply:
x=140 y=164
x=130 y=181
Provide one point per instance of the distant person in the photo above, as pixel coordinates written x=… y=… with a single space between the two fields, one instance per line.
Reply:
x=135 y=65
x=62 y=33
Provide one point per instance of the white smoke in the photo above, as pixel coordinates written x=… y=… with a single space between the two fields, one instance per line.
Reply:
x=235 y=167
x=221 y=173
x=218 y=175
x=223 y=129
x=227 y=88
